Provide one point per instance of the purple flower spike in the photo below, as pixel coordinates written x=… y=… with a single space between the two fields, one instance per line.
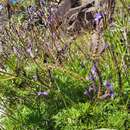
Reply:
x=112 y=94
x=31 y=9
x=98 y=16
x=45 y=93
x=90 y=77
x=42 y=2
x=94 y=71
x=108 y=85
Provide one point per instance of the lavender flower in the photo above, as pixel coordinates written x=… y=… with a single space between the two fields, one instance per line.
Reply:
x=45 y=93
x=90 y=92
x=40 y=13
x=94 y=71
x=42 y=3
x=98 y=17
x=51 y=16
x=110 y=88
x=31 y=9
x=50 y=19
x=90 y=77
x=108 y=85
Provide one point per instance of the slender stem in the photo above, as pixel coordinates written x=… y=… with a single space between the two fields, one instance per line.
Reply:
x=118 y=71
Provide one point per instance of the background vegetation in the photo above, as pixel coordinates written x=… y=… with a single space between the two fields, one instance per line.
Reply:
x=35 y=95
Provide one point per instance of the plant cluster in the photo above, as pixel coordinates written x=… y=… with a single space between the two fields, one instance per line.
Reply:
x=50 y=80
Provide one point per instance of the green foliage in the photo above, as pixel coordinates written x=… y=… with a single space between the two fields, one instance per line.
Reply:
x=65 y=107
x=88 y=116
